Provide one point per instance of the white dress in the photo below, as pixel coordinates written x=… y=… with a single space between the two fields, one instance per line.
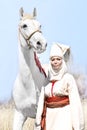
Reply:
x=63 y=118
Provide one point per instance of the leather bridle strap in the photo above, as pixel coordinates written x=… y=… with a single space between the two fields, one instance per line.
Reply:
x=33 y=34
x=27 y=39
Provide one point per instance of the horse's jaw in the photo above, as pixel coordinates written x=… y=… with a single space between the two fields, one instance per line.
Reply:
x=40 y=51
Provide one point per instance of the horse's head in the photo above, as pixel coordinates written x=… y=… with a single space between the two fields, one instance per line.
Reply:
x=30 y=34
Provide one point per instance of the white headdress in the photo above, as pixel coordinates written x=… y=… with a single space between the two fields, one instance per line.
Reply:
x=56 y=51
x=62 y=51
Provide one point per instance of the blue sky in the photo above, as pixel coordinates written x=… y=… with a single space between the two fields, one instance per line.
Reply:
x=63 y=21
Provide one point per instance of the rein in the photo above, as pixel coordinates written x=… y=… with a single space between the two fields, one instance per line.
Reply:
x=27 y=39
x=39 y=65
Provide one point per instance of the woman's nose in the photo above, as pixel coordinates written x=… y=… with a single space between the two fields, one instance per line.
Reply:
x=55 y=62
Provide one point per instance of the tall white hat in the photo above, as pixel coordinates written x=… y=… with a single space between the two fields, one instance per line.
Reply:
x=56 y=51
x=60 y=50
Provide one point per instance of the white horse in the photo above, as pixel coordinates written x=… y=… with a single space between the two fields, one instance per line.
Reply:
x=31 y=75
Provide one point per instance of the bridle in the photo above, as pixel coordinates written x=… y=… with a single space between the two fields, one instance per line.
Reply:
x=29 y=37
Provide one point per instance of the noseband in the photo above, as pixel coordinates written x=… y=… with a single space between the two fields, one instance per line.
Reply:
x=27 y=39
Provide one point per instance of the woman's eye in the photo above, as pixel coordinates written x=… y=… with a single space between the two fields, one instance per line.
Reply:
x=52 y=59
x=58 y=59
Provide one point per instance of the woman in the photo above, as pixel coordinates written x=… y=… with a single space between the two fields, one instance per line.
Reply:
x=59 y=106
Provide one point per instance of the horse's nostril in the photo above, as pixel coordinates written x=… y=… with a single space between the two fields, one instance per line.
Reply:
x=38 y=43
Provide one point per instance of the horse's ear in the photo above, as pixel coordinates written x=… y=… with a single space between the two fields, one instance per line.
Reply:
x=21 y=11
x=34 y=13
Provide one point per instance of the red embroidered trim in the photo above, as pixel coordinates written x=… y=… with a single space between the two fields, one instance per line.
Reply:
x=53 y=82
x=39 y=64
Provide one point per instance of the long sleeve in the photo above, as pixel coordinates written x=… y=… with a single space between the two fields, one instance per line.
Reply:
x=76 y=106
x=39 y=110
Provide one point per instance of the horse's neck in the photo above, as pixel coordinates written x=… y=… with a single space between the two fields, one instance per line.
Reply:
x=26 y=59
x=27 y=62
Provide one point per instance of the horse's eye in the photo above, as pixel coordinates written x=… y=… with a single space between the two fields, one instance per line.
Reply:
x=40 y=26
x=24 y=26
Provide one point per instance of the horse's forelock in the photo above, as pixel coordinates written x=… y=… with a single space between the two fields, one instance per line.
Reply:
x=27 y=16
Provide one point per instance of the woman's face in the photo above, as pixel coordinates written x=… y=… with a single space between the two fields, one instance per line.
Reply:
x=56 y=62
